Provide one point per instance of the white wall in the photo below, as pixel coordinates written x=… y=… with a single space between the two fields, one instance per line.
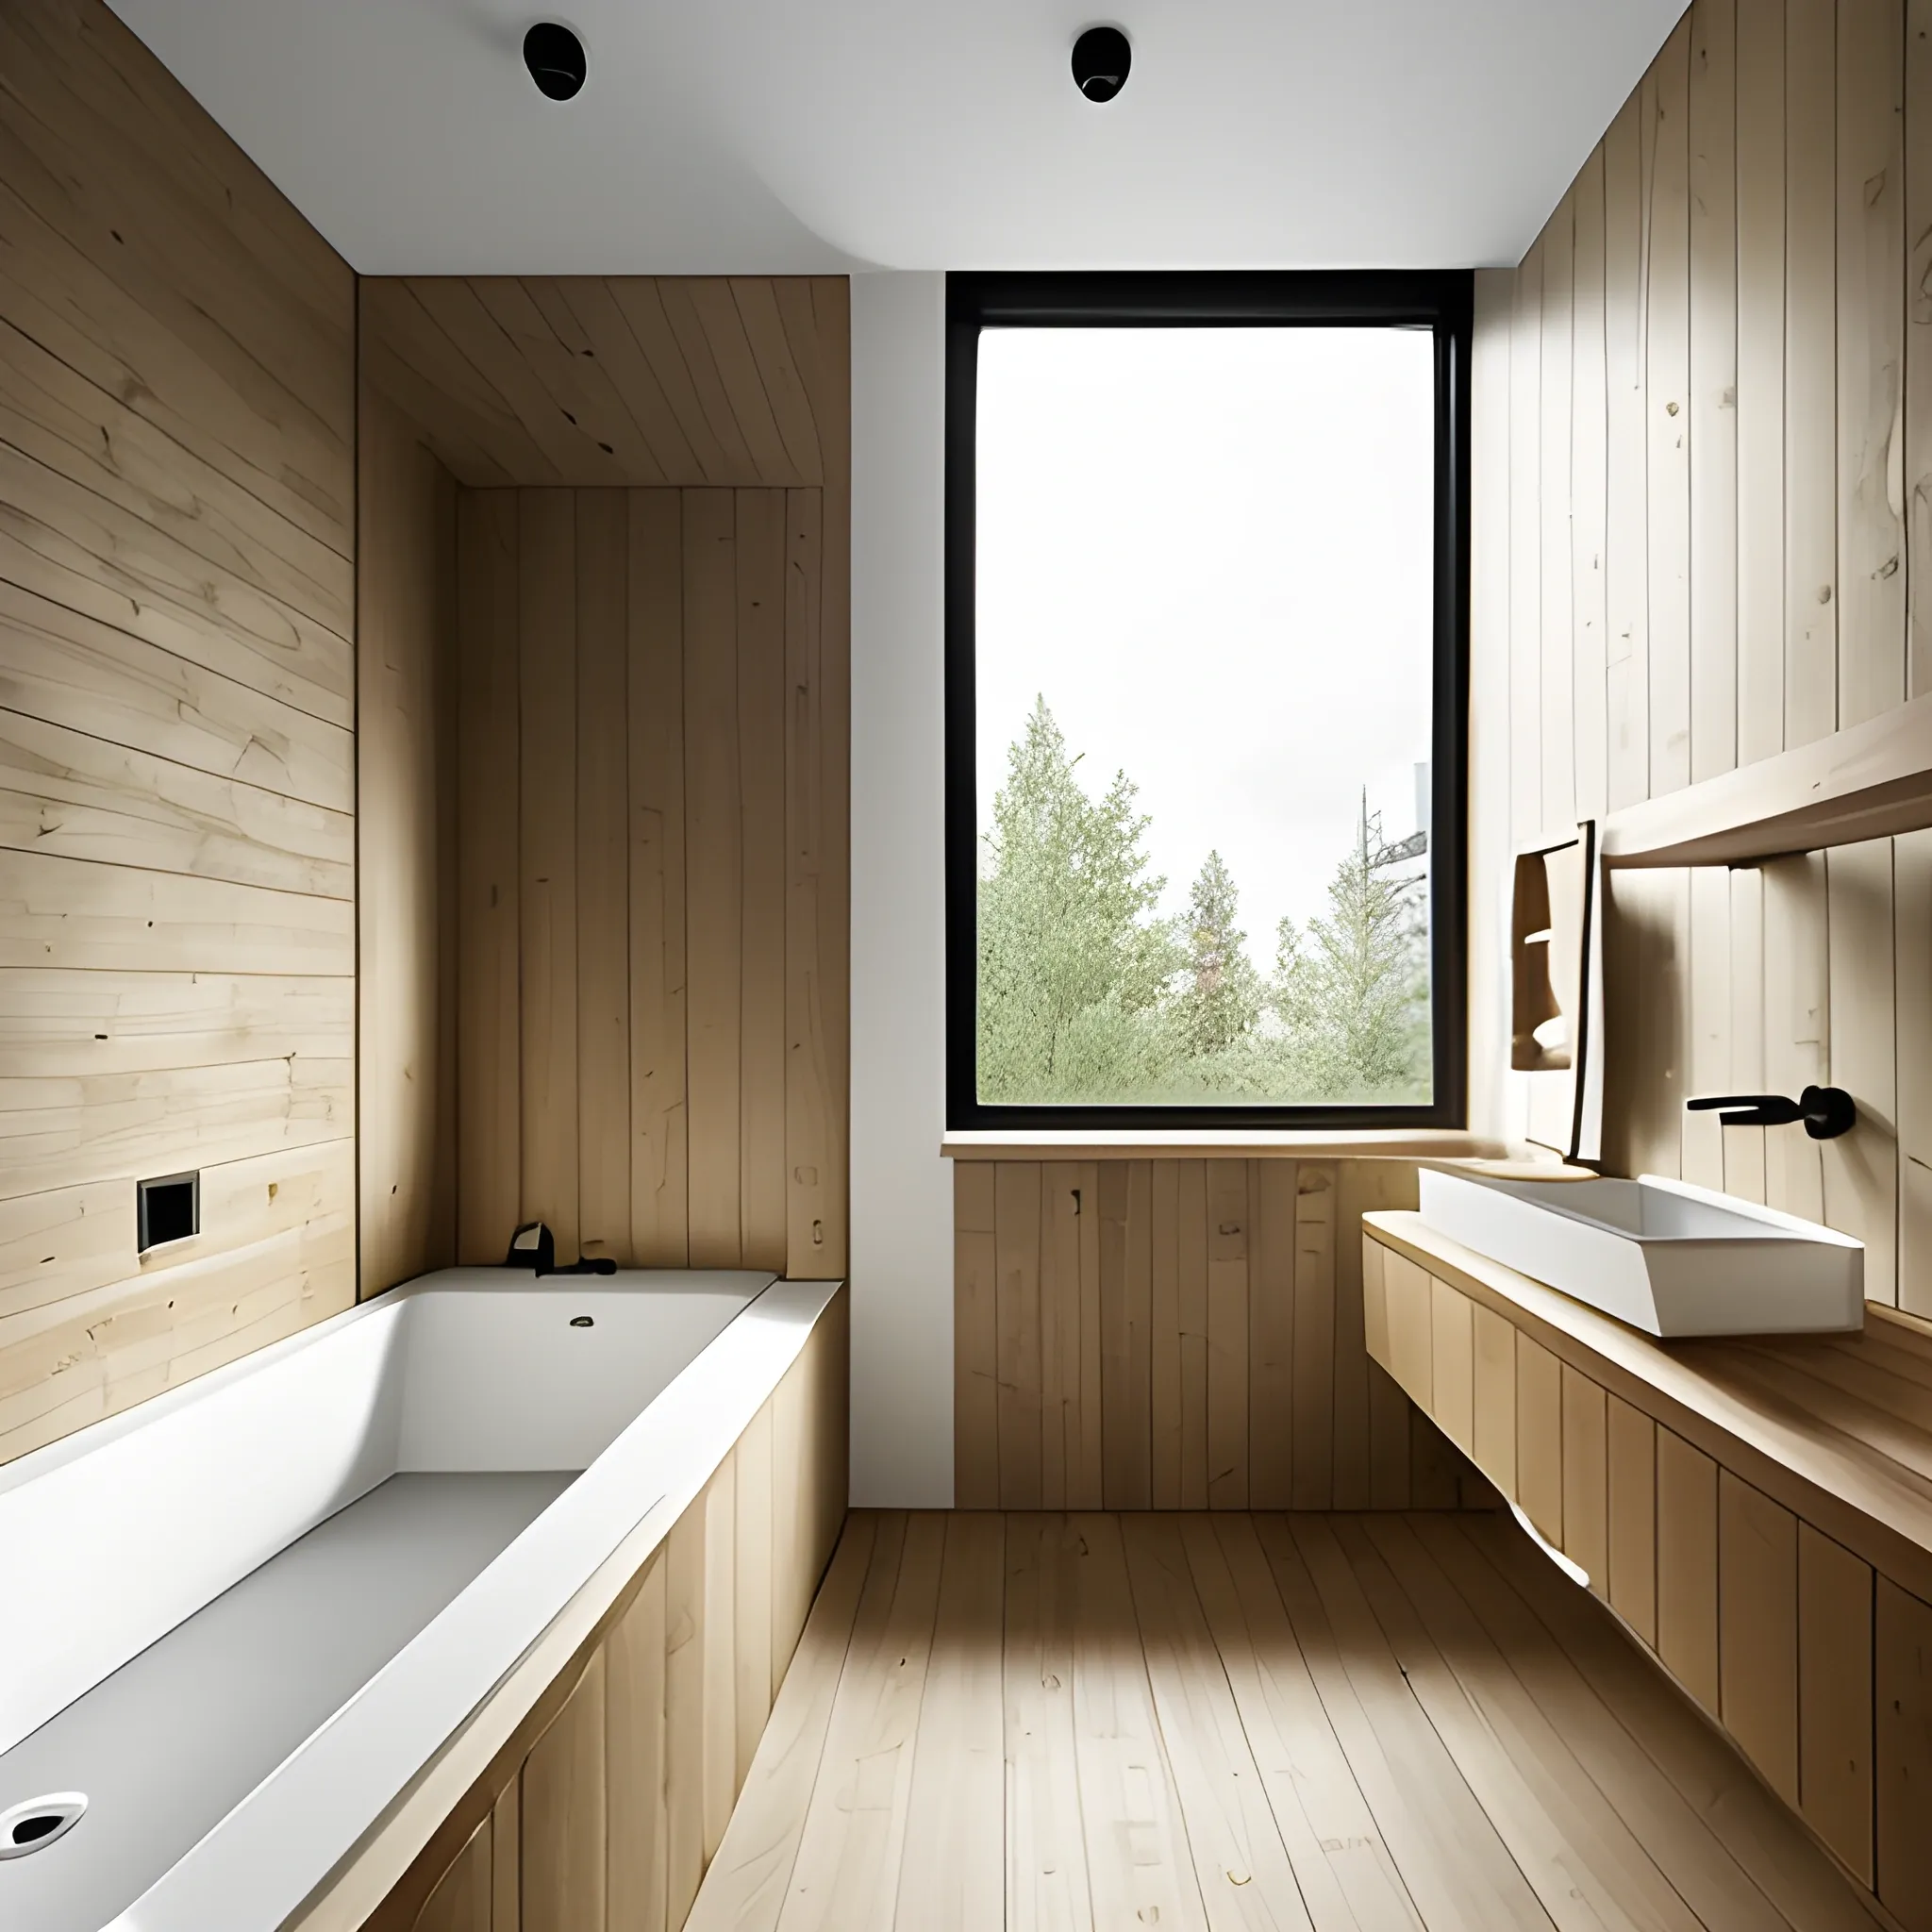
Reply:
x=902 y=1189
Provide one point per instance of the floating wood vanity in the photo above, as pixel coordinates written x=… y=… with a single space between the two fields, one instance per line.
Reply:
x=1758 y=1513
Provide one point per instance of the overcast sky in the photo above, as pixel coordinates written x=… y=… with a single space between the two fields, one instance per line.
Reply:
x=1209 y=550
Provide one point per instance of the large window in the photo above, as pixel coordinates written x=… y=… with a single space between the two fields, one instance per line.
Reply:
x=1205 y=590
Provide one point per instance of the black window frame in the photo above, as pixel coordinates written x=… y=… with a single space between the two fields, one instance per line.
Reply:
x=1439 y=300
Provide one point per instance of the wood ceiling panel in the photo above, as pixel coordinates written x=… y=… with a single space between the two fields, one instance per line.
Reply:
x=618 y=380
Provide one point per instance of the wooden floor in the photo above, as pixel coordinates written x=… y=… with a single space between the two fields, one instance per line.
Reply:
x=1202 y=1721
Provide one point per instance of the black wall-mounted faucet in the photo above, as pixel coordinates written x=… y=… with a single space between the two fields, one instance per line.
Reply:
x=534 y=1246
x=1827 y=1111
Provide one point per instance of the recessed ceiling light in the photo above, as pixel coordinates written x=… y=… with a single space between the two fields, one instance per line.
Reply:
x=1102 y=57
x=554 y=57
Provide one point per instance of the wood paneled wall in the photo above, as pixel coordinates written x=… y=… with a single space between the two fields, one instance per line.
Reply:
x=405 y=711
x=177 y=861
x=608 y=1804
x=1703 y=476
x=651 y=890
x=1179 y=1335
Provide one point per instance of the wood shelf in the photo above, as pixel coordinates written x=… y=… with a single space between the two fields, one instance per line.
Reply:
x=1219 y=1144
x=1870 y=781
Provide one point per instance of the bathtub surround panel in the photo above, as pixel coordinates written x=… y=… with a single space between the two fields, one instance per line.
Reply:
x=177 y=787
x=650 y=839
x=1180 y=1334
x=1740 y=485
x=407 y=699
x=607 y=1805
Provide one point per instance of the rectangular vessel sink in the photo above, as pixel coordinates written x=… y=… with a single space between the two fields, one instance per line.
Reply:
x=1661 y=1255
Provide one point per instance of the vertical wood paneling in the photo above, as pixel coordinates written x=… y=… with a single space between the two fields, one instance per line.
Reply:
x=1744 y=1070
x=1164 y=1363
x=655 y=777
x=1687 y=1566
x=760 y=557
x=1493 y=1417
x=1708 y=1059
x=1228 y=1334
x=1525 y=554
x=547 y=893
x=1589 y=494
x=1632 y=1541
x=1916 y=433
x=752 y=1593
x=1192 y=1240
x=1902 y=1659
x=1627 y=562
x=1017 y=1240
x=1556 y=673
x=1797 y=1040
x=1361 y=1187
x=1757 y=1629
x=1834 y=1692
x=1059 y=1328
x=1811 y=587
x=563 y=1817
x=1714 y=373
x=1125 y=1314
x=603 y=874
x=815 y=930
x=975 y=1337
x=1452 y=1364
x=1315 y=1292
x=634 y=1760
x=1585 y=1479
x=1871 y=357
x=1861 y=1169
x=1912 y=922
x=714 y=880
x=1760 y=83
x=1667 y=419
x=488 y=878
x=1271 y=1415
x=1540 y=1438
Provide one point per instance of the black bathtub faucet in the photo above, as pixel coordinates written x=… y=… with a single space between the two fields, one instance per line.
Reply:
x=534 y=1246
x=1827 y=1111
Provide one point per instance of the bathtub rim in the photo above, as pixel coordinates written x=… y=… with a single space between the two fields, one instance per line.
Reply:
x=320 y=1842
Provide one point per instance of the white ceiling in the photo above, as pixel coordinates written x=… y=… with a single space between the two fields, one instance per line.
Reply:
x=773 y=136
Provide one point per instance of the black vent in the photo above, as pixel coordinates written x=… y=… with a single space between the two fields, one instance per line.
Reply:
x=169 y=1209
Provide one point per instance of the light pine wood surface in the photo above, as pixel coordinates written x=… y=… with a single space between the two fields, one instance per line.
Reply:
x=178 y=782
x=1740 y=475
x=608 y=1803
x=628 y=379
x=1742 y=1505
x=1195 y=1720
x=1179 y=1334
x=651 y=875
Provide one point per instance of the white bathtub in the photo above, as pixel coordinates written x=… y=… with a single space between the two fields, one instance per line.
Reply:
x=241 y=1618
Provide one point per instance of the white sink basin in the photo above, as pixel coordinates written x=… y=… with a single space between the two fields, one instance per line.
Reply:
x=1660 y=1255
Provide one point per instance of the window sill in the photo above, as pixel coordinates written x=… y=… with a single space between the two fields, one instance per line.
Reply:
x=1252 y=1143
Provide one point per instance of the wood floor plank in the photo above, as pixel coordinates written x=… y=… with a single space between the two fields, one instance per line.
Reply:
x=952 y=1872
x=846 y=1877
x=1704 y=1767
x=1240 y=1859
x=1346 y=1875
x=1686 y=1845
x=1046 y=1859
x=745 y=1889
x=1140 y=1867
x=1587 y=1866
x=1455 y=1868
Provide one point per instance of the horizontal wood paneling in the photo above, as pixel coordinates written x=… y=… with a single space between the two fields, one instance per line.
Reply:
x=593 y=1816
x=1119 y=1344
x=177 y=785
x=652 y=876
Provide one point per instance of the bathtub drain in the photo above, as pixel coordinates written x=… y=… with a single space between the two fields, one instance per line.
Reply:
x=28 y=1826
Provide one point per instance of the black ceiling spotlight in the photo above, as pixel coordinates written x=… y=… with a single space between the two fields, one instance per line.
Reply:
x=554 y=57
x=1102 y=57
